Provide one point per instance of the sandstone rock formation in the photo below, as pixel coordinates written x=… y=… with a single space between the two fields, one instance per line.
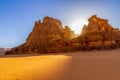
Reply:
x=45 y=35
x=96 y=25
x=2 y=50
x=99 y=34
x=49 y=36
x=68 y=33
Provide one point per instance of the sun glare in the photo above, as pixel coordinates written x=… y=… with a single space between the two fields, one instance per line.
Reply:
x=77 y=25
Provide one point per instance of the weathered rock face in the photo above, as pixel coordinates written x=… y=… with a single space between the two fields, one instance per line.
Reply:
x=49 y=30
x=45 y=35
x=53 y=21
x=49 y=36
x=96 y=25
x=68 y=33
x=98 y=33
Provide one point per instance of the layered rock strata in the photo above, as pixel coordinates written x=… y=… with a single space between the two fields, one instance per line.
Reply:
x=49 y=36
x=45 y=35
x=99 y=34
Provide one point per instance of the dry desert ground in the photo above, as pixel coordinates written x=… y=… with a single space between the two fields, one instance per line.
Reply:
x=81 y=65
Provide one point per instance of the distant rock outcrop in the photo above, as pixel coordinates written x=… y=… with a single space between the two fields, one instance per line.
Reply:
x=49 y=36
x=3 y=50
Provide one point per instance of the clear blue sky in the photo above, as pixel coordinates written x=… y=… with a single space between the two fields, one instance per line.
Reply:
x=17 y=17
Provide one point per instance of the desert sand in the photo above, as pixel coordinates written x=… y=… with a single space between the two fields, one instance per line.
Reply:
x=89 y=65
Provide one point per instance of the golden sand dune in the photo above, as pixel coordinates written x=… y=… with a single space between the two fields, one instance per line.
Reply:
x=91 y=65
